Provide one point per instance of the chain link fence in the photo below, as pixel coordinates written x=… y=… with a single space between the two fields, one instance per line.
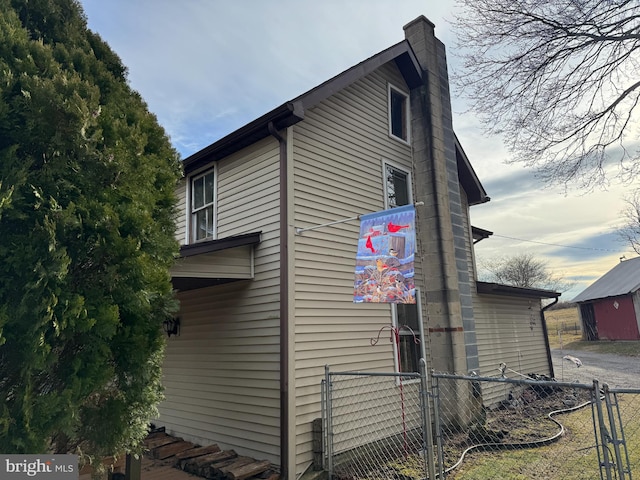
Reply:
x=377 y=427
x=414 y=426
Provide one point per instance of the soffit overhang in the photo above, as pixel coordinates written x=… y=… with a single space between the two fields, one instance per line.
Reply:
x=214 y=262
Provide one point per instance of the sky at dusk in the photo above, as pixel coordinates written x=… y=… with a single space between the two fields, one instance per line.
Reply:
x=207 y=67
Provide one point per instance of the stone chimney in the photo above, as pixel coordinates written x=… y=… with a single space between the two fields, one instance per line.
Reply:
x=442 y=235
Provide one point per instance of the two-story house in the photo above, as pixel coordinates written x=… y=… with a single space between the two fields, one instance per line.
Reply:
x=266 y=303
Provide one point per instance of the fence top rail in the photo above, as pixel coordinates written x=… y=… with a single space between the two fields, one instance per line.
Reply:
x=624 y=390
x=376 y=374
x=518 y=381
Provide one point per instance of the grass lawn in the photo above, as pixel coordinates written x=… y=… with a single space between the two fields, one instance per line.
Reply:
x=574 y=455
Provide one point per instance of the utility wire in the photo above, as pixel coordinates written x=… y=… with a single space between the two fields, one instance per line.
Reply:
x=557 y=244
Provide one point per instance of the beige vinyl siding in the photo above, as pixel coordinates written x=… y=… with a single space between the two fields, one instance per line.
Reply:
x=338 y=153
x=388 y=409
x=471 y=261
x=221 y=374
x=181 y=212
x=509 y=330
x=230 y=263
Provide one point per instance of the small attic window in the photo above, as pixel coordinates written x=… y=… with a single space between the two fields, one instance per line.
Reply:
x=398 y=114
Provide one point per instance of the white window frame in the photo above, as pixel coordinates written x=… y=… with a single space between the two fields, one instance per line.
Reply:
x=191 y=224
x=407 y=113
x=385 y=164
x=420 y=334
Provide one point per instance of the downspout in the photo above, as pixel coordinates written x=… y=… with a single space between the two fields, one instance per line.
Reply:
x=284 y=304
x=546 y=335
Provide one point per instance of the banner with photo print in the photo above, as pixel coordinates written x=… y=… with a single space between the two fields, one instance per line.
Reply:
x=385 y=258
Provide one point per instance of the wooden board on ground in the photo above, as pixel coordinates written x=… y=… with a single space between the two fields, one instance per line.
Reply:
x=171 y=449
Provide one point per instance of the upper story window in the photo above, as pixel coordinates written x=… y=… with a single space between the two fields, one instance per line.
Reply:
x=202 y=206
x=398 y=114
x=397 y=186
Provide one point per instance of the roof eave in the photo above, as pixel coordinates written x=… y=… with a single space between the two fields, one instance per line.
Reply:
x=209 y=246
x=476 y=194
x=480 y=233
x=293 y=111
x=509 y=290
x=283 y=116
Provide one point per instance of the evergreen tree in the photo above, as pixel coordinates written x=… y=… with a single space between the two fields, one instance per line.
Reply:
x=87 y=181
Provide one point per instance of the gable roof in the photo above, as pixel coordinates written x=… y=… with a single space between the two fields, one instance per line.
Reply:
x=622 y=279
x=293 y=111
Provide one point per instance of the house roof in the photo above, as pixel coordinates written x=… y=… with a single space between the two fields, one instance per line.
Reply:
x=209 y=246
x=479 y=234
x=293 y=111
x=511 y=291
x=468 y=178
x=622 y=279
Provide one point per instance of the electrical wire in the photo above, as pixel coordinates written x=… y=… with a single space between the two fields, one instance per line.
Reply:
x=557 y=244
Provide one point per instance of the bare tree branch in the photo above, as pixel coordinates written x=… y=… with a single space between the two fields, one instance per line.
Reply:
x=558 y=80
x=522 y=270
x=630 y=231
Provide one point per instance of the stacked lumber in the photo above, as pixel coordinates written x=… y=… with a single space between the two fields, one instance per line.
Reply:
x=207 y=461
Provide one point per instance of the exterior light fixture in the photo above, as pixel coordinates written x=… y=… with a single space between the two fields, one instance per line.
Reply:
x=171 y=327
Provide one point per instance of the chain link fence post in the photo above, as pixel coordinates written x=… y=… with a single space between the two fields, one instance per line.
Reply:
x=429 y=453
x=435 y=392
x=604 y=434
x=329 y=434
x=616 y=440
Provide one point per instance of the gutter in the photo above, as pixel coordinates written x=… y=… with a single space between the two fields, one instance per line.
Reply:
x=546 y=335
x=284 y=304
x=281 y=117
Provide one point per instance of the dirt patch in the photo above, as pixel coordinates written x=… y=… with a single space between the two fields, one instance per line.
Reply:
x=523 y=421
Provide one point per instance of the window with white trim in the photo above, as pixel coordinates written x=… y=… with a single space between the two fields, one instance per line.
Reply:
x=398 y=113
x=203 y=206
x=409 y=349
x=405 y=316
x=397 y=186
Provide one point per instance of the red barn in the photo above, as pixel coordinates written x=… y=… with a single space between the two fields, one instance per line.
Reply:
x=610 y=307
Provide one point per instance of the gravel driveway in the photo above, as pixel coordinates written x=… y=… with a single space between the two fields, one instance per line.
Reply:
x=615 y=370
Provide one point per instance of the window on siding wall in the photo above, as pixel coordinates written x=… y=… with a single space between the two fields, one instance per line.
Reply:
x=397 y=186
x=202 y=206
x=398 y=113
x=409 y=349
x=405 y=317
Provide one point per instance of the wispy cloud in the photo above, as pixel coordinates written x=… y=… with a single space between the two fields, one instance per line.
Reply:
x=223 y=64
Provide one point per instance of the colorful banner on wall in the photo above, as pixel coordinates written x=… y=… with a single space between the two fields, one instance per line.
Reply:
x=386 y=255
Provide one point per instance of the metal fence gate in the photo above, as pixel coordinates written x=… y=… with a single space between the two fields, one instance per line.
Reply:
x=414 y=426
x=377 y=425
